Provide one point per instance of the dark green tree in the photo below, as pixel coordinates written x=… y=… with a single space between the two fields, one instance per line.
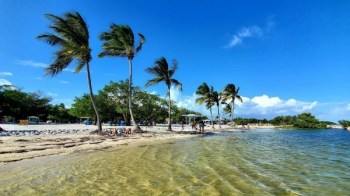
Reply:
x=345 y=123
x=163 y=73
x=82 y=107
x=71 y=34
x=230 y=93
x=205 y=95
x=308 y=121
x=119 y=42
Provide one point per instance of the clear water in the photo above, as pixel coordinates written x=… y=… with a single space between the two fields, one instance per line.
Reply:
x=268 y=162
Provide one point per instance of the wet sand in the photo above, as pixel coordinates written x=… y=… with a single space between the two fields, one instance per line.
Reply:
x=16 y=148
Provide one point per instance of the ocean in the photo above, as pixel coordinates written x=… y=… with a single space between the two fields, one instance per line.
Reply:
x=255 y=162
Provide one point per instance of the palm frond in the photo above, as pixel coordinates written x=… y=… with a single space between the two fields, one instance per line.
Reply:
x=239 y=98
x=51 y=39
x=70 y=33
x=176 y=83
x=153 y=81
x=141 y=41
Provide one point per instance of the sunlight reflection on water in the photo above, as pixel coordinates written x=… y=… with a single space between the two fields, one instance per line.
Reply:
x=256 y=162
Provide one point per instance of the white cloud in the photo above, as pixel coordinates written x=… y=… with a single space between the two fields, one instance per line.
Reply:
x=31 y=63
x=4 y=82
x=6 y=74
x=273 y=106
x=256 y=107
x=265 y=101
x=243 y=33
x=334 y=111
x=250 y=32
x=64 y=82
x=264 y=106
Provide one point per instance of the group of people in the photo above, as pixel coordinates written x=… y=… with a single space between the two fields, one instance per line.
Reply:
x=121 y=131
x=200 y=124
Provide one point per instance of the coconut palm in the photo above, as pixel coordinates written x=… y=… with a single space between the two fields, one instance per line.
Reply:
x=119 y=42
x=230 y=92
x=71 y=34
x=217 y=98
x=163 y=73
x=228 y=109
x=205 y=95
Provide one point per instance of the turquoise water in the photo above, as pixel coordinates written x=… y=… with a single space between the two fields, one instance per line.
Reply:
x=258 y=162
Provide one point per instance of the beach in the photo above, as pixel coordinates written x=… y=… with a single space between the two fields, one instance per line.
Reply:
x=65 y=139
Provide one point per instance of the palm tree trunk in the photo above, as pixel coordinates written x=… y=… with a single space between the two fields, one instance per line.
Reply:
x=232 y=108
x=130 y=93
x=211 y=116
x=219 y=117
x=99 y=124
x=169 y=122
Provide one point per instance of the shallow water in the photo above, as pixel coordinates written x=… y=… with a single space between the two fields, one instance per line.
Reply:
x=264 y=162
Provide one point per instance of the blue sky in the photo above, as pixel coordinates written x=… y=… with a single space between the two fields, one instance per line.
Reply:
x=287 y=57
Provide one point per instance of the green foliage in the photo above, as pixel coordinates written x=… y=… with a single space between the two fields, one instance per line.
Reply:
x=71 y=35
x=303 y=121
x=344 y=123
x=119 y=41
x=82 y=107
x=230 y=92
x=163 y=73
x=283 y=120
x=20 y=105
x=308 y=121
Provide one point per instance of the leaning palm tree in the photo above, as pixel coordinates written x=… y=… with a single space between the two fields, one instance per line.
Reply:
x=71 y=34
x=163 y=73
x=230 y=92
x=217 y=98
x=204 y=94
x=119 y=42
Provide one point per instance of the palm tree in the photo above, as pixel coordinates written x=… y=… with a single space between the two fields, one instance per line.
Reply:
x=217 y=98
x=162 y=73
x=206 y=96
x=230 y=92
x=119 y=42
x=228 y=109
x=71 y=34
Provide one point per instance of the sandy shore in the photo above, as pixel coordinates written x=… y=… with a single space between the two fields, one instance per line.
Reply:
x=16 y=148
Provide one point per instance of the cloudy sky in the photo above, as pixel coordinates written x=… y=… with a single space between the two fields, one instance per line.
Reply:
x=287 y=57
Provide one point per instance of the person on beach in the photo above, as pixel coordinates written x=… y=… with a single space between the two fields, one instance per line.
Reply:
x=182 y=124
x=201 y=126
x=194 y=124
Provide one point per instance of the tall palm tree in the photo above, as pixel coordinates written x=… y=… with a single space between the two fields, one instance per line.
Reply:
x=71 y=34
x=163 y=73
x=230 y=92
x=119 y=42
x=228 y=109
x=205 y=95
x=217 y=98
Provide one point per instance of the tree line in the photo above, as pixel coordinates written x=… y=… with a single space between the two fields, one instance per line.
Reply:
x=112 y=102
x=302 y=121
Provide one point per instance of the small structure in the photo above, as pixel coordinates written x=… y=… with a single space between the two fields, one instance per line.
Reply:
x=33 y=120
x=190 y=117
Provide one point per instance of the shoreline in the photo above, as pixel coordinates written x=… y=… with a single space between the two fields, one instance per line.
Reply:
x=15 y=148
